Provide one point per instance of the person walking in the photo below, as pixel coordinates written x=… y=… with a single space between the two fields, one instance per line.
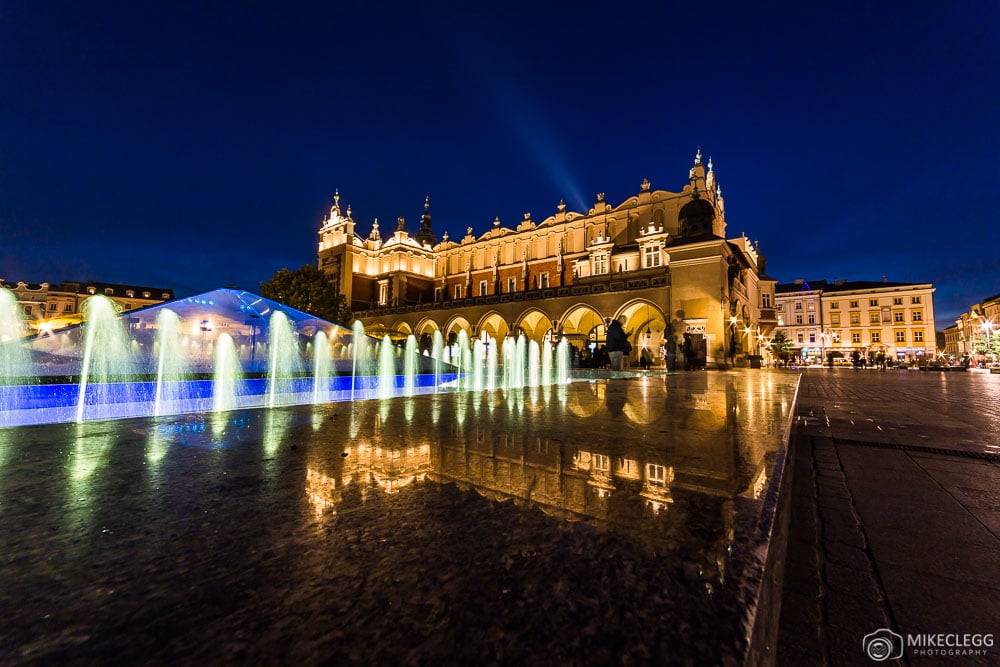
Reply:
x=616 y=342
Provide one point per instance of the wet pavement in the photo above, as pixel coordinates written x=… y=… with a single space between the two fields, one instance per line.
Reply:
x=895 y=520
x=620 y=521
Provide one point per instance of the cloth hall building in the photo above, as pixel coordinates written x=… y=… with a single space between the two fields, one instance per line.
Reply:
x=658 y=260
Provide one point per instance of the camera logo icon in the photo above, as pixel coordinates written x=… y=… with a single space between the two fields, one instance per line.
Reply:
x=883 y=644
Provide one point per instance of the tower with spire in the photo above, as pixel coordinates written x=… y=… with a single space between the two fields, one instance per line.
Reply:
x=425 y=235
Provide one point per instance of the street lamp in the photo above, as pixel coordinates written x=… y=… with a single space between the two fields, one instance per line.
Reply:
x=987 y=326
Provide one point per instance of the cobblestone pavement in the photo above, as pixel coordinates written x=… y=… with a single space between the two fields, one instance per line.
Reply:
x=896 y=516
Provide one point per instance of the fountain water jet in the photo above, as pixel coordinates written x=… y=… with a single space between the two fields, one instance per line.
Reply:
x=491 y=364
x=533 y=364
x=321 y=369
x=283 y=358
x=437 y=353
x=547 y=377
x=386 y=368
x=171 y=366
x=478 y=361
x=410 y=365
x=106 y=356
x=227 y=376
x=15 y=360
x=562 y=362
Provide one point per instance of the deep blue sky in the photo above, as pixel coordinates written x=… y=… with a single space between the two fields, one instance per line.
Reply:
x=194 y=145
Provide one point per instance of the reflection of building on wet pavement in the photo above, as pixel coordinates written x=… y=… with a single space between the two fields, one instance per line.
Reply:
x=387 y=470
x=662 y=460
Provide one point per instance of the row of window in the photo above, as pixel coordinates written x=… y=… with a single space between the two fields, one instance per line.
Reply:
x=654 y=472
x=874 y=317
x=543 y=283
x=129 y=293
x=835 y=305
x=652 y=258
x=67 y=308
x=876 y=337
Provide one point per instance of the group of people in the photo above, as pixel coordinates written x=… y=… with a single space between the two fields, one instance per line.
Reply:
x=616 y=352
x=859 y=361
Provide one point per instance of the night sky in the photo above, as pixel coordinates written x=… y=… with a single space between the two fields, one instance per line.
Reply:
x=197 y=145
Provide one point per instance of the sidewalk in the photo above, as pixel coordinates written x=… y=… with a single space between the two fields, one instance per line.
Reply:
x=895 y=517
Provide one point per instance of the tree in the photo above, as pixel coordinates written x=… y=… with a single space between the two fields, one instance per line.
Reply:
x=308 y=289
x=781 y=347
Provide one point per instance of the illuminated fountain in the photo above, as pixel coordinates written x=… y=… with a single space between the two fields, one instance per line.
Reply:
x=218 y=351
x=228 y=349
x=519 y=362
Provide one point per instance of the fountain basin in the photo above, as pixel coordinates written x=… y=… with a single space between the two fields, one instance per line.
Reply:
x=59 y=402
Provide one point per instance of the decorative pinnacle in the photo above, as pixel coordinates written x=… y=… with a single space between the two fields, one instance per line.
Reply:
x=427 y=203
x=496 y=221
x=710 y=163
x=697 y=156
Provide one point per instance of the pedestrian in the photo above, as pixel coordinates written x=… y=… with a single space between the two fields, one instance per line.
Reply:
x=617 y=343
x=687 y=351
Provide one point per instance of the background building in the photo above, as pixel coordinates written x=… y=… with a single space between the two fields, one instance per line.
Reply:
x=872 y=318
x=51 y=306
x=659 y=260
x=977 y=332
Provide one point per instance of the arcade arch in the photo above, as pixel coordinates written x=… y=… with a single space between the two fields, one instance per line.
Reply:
x=402 y=327
x=582 y=324
x=425 y=326
x=646 y=326
x=535 y=324
x=493 y=324
x=454 y=326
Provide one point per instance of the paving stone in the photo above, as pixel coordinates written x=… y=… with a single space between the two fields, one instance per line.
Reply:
x=933 y=555
x=924 y=603
x=926 y=514
x=800 y=615
x=848 y=556
x=857 y=582
x=854 y=614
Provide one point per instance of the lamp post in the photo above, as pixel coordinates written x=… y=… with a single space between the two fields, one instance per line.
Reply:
x=987 y=326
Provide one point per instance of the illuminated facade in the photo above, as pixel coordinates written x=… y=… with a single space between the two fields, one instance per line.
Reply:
x=659 y=259
x=51 y=306
x=872 y=318
x=975 y=327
